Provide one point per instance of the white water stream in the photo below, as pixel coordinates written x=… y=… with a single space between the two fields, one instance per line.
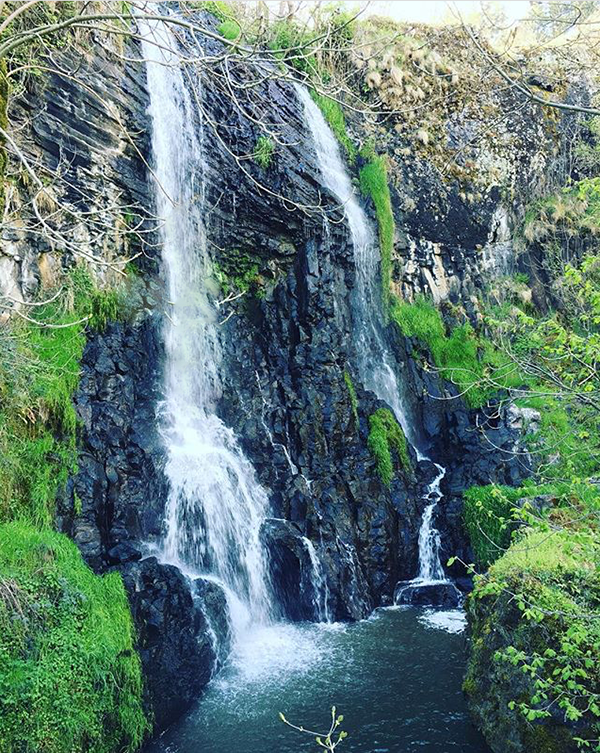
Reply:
x=374 y=362
x=216 y=505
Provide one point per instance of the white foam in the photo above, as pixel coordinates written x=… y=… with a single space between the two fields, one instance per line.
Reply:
x=450 y=621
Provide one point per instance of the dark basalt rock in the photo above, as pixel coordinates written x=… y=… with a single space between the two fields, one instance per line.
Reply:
x=212 y=601
x=290 y=569
x=444 y=595
x=174 y=637
x=120 y=485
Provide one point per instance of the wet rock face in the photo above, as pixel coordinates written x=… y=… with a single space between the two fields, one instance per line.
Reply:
x=120 y=487
x=445 y=595
x=174 y=638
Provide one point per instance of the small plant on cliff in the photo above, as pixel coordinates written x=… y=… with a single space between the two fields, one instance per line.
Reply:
x=353 y=398
x=385 y=436
x=238 y=274
x=329 y=740
x=263 y=152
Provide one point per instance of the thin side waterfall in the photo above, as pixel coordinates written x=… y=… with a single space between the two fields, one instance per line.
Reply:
x=319 y=583
x=430 y=566
x=374 y=362
x=216 y=505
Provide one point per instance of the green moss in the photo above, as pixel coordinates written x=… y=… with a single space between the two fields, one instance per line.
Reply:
x=39 y=372
x=238 y=273
x=70 y=679
x=385 y=436
x=353 y=397
x=334 y=115
x=230 y=29
x=374 y=183
x=263 y=152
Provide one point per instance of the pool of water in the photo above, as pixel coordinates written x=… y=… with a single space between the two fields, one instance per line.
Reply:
x=395 y=677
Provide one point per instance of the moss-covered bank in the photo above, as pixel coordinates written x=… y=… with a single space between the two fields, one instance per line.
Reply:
x=533 y=678
x=70 y=679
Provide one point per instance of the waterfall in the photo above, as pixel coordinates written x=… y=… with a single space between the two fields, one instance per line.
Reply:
x=216 y=505
x=430 y=567
x=374 y=362
x=319 y=583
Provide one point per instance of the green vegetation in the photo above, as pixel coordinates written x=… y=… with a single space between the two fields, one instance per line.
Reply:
x=230 y=29
x=534 y=614
x=238 y=273
x=543 y=668
x=588 y=151
x=292 y=43
x=300 y=44
x=334 y=115
x=263 y=152
x=460 y=356
x=220 y=9
x=573 y=210
x=70 y=679
x=39 y=372
x=493 y=513
x=329 y=740
x=374 y=183
x=385 y=435
x=353 y=398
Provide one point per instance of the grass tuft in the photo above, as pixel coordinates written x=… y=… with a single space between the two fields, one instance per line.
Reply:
x=385 y=435
x=374 y=184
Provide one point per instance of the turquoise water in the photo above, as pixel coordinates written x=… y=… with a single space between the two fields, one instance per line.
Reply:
x=395 y=677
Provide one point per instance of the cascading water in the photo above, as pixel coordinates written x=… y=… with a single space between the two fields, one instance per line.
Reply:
x=374 y=362
x=319 y=583
x=216 y=506
x=430 y=567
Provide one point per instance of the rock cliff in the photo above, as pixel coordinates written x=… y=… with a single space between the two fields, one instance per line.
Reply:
x=290 y=391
